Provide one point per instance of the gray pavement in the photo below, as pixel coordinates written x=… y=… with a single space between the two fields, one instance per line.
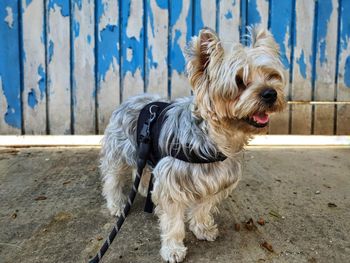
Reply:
x=51 y=210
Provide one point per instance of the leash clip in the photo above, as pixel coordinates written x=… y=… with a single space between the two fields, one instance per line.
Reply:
x=153 y=113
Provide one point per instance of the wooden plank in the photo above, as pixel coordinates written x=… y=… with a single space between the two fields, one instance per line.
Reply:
x=180 y=34
x=58 y=66
x=10 y=72
x=280 y=27
x=132 y=37
x=343 y=87
x=83 y=41
x=204 y=15
x=326 y=48
x=258 y=12
x=302 y=66
x=157 y=47
x=108 y=59
x=229 y=21
x=34 y=69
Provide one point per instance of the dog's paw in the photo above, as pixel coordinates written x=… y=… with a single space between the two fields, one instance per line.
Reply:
x=209 y=233
x=173 y=253
x=116 y=209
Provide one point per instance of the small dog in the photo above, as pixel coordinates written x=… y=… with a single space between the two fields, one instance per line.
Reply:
x=235 y=90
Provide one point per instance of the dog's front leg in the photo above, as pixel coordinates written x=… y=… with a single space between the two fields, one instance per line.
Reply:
x=172 y=226
x=201 y=220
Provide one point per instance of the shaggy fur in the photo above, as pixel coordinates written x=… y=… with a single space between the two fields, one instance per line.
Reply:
x=228 y=107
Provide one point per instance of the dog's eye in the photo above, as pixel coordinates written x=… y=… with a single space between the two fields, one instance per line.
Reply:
x=240 y=83
x=274 y=76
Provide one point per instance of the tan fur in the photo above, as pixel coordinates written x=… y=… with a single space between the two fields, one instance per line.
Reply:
x=212 y=72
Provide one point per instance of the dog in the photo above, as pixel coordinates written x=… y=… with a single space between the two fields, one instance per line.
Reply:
x=235 y=89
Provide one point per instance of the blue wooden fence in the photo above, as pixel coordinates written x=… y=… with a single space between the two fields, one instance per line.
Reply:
x=66 y=64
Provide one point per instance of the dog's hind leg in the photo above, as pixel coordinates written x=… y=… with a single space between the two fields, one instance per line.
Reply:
x=114 y=176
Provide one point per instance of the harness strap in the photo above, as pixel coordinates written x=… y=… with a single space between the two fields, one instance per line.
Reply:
x=149 y=204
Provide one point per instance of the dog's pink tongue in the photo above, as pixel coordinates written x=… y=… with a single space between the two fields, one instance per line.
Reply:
x=261 y=118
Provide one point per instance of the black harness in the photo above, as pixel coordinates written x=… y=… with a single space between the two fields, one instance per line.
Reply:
x=149 y=126
x=160 y=109
x=156 y=112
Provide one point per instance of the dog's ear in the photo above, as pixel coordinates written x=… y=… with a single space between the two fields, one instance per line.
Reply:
x=262 y=38
x=203 y=52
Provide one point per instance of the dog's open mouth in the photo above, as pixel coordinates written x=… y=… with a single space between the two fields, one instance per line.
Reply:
x=258 y=120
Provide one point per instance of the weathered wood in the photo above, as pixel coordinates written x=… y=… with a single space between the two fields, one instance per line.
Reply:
x=58 y=66
x=10 y=72
x=343 y=87
x=75 y=88
x=258 y=12
x=34 y=69
x=326 y=49
x=204 y=15
x=132 y=48
x=281 y=28
x=157 y=48
x=108 y=59
x=180 y=34
x=229 y=21
x=302 y=66
x=83 y=60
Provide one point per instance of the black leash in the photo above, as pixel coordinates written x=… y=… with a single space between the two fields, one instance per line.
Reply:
x=143 y=154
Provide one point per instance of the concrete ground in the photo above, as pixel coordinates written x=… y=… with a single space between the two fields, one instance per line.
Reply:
x=51 y=210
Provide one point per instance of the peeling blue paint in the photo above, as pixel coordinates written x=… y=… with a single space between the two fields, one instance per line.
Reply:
x=9 y=65
x=280 y=24
x=347 y=72
x=302 y=65
x=198 y=19
x=228 y=15
x=76 y=28
x=175 y=10
x=177 y=58
x=151 y=62
x=42 y=81
x=325 y=8
x=100 y=5
x=107 y=44
x=163 y=4
x=150 y=16
x=43 y=36
x=32 y=100
x=64 y=5
x=136 y=46
x=107 y=50
x=51 y=50
x=253 y=13
x=322 y=46
x=345 y=38
x=189 y=20
x=78 y=3
x=344 y=25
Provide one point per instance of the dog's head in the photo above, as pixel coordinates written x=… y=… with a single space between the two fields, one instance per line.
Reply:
x=238 y=87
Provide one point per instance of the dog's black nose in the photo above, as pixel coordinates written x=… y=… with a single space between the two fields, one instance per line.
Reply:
x=269 y=95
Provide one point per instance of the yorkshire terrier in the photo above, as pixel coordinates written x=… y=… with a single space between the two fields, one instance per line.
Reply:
x=235 y=89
